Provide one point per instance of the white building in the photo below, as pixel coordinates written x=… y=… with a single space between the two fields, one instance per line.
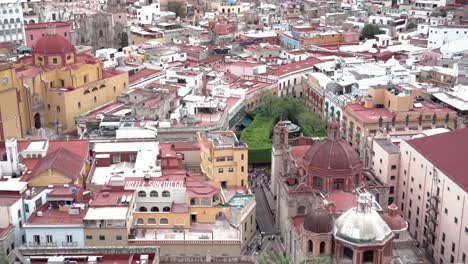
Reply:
x=439 y=35
x=147 y=14
x=433 y=194
x=11 y=21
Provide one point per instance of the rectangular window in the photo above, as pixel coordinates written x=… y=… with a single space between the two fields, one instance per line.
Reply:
x=392 y=178
x=455 y=220
x=26 y=208
x=38 y=202
x=231 y=169
x=69 y=238
x=65 y=34
x=85 y=78
x=37 y=239
x=58 y=108
x=393 y=167
x=116 y=158
x=453 y=247
x=230 y=158
x=79 y=105
x=48 y=107
x=242 y=168
x=49 y=239
x=102 y=237
x=118 y=237
x=31 y=37
x=220 y=170
x=88 y=237
x=442 y=250
x=220 y=159
x=132 y=158
x=54 y=61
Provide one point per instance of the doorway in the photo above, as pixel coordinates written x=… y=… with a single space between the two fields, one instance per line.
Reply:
x=224 y=184
x=193 y=218
x=37 y=121
x=369 y=256
x=348 y=253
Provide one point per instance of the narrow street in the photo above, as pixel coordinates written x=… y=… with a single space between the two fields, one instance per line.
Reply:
x=266 y=240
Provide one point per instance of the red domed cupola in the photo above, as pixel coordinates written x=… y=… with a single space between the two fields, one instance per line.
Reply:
x=53 y=50
x=332 y=164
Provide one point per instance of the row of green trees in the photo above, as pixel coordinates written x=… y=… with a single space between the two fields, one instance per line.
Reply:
x=258 y=134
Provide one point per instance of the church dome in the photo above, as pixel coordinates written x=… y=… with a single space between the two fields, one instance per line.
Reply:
x=318 y=221
x=53 y=44
x=362 y=224
x=394 y=220
x=332 y=153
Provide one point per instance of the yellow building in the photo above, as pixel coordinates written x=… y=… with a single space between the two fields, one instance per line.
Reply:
x=10 y=122
x=396 y=109
x=224 y=159
x=56 y=84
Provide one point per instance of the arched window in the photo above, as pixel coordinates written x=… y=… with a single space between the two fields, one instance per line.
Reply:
x=140 y=221
x=86 y=92
x=94 y=89
x=141 y=194
x=143 y=209
x=5 y=21
x=164 y=221
x=322 y=247
x=318 y=183
x=310 y=246
x=12 y=21
x=153 y=194
x=166 y=209
x=154 y=209
x=301 y=210
x=151 y=221
x=18 y=20
x=166 y=194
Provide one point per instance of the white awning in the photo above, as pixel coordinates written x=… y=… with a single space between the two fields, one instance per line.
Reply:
x=107 y=213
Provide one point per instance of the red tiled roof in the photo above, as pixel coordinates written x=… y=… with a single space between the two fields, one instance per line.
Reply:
x=61 y=160
x=343 y=201
x=292 y=67
x=142 y=75
x=56 y=217
x=448 y=152
x=107 y=198
x=299 y=152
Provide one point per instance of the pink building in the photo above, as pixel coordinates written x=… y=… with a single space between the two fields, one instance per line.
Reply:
x=433 y=194
x=34 y=32
x=385 y=162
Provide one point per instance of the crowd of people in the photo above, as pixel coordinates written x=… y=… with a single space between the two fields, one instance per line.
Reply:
x=259 y=177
